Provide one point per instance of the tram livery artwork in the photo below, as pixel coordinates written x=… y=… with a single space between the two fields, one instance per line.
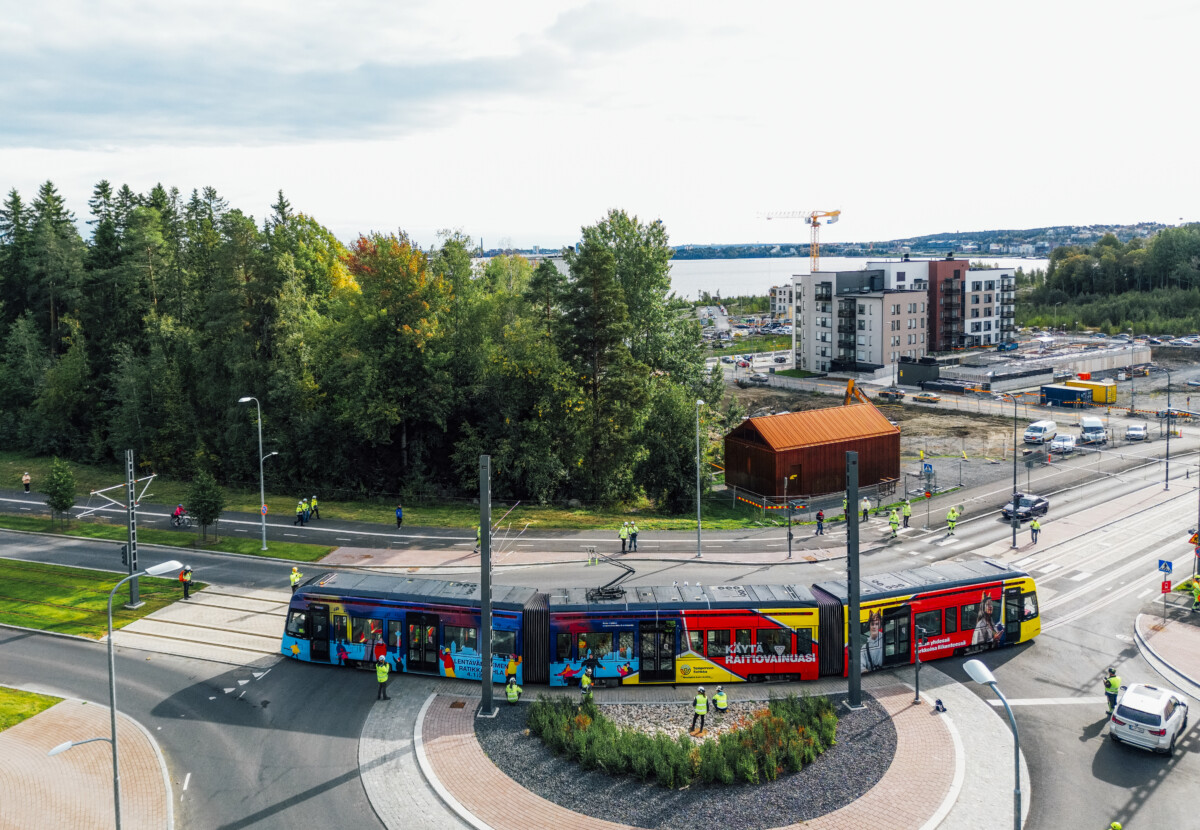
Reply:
x=639 y=635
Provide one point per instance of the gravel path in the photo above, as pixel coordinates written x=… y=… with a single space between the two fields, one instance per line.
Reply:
x=864 y=751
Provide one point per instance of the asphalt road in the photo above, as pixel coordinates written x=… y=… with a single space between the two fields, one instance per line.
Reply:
x=279 y=750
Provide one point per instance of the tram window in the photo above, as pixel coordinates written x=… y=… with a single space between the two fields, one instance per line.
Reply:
x=339 y=628
x=774 y=641
x=1029 y=608
x=742 y=638
x=931 y=621
x=804 y=641
x=952 y=619
x=395 y=627
x=563 y=650
x=504 y=642
x=718 y=643
x=297 y=624
x=365 y=629
x=696 y=641
x=970 y=613
x=599 y=643
x=625 y=644
x=462 y=638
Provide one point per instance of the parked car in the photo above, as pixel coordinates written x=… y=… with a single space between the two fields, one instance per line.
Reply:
x=1028 y=506
x=781 y=359
x=1135 y=432
x=726 y=359
x=1149 y=717
x=1194 y=382
x=745 y=364
x=759 y=378
x=893 y=395
x=926 y=397
x=1064 y=444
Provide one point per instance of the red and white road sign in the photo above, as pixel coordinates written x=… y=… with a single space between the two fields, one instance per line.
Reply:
x=1166 y=586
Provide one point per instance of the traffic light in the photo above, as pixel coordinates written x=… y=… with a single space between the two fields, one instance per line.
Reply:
x=125 y=555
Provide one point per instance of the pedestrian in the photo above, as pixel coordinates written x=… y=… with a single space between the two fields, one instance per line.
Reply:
x=512 y=691
x=633 y=532
x=623 y=535
x=907 y=511
x=951 y=520
x=1112 y=685
x=1195 y=594
x=845 y=507
x=400 y=516
x=820 y=523
x=296 y=577
x=720 y=701
x=299 y=514
x=313 y=505
x=307 y=511
x=478 y=538
x=699 y=710
x=866 y=507
x=894 y=521
x=1035 y=527
x=585 y=684
x=381 y=674
x=25 y=479
x=185 y=576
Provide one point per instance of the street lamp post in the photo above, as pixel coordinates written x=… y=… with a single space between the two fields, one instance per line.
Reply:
x=980 y=674
x=699 y=403
x=1056 y=305
x=153 y=570
x=1016 y=519
x=262 y=488
x=788 y=507
x=1170 y=429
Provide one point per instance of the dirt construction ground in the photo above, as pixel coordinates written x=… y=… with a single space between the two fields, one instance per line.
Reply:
x=937 y=432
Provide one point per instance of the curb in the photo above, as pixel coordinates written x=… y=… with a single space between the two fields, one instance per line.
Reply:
x=1158 y=661
x=431 y=778
x=960 y=775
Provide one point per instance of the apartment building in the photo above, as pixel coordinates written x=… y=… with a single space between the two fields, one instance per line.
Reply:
x=988 y=307
x=783 y=301
x=860 y=321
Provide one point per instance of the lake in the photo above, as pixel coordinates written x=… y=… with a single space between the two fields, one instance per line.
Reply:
x=734 y=277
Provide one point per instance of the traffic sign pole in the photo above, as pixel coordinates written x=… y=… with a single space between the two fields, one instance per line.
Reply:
x=1166 y=589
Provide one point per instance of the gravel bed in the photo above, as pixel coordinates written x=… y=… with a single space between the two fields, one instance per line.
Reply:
x=665 y=718
x=864 y=751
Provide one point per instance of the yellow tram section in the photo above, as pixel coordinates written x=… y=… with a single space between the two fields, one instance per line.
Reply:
x=692 y=666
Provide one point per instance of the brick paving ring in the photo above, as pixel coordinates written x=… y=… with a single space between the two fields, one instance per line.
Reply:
x=893 y=766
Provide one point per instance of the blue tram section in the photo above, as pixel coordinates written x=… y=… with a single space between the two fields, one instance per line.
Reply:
x=417 y=625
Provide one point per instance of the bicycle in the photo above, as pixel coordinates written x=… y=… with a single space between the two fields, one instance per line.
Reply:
x=183 y=520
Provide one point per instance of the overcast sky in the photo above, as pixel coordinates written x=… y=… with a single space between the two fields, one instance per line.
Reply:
x=519 y=122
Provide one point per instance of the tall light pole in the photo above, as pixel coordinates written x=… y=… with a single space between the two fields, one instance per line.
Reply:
x=1016 y=519
x=699 y=403
x=980 y=674
x=262 y=487
x=1170 y=429
x=788 y=507
x=153 y=570
x=1056 y=305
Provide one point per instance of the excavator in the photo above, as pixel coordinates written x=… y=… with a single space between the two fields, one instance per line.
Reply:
x=853 y=393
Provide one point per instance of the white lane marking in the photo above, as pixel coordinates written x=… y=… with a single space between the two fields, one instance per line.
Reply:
x=186 y=779
x=27 y=508
x=1023 y=562
x=716 y=546
x=227 y=691
x=1052 y=701
x=524 y=546
x=1079 y=577
x=291 y=534
x=1144 y=593
x=343 y=539
x=929 y=556
x=1049 y=569
x=243 y=682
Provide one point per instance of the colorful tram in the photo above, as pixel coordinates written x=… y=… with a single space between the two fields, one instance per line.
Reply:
x=675 y=634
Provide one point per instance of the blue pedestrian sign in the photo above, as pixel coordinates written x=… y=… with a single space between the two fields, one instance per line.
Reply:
x=928 y=468
x=1164 y=565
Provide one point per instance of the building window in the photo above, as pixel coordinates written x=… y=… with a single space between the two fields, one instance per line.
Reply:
x=987 y=298
x=974 y=312
x=990 y=285
x=862 y=325
x=922 y=307
x=957 y=273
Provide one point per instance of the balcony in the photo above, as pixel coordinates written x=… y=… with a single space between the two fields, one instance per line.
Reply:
x=823 y=295
x=846 y=313
x=1007 y=311
x=1007 y=327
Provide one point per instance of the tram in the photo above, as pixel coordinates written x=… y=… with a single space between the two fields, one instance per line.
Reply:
x=666 y=634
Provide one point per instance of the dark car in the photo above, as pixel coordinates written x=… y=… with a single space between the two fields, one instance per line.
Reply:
x=782 y=359
x=1028 y=506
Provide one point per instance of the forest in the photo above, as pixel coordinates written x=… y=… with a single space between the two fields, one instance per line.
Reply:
x=381 y=369
x=1148 y=286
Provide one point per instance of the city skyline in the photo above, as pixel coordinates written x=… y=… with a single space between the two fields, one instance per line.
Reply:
x=518 y=125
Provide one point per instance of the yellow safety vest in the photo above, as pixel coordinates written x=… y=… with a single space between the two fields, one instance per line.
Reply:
x=300 y=507
x=1112 y=685
x=314 y=504
x=381 y=672
x=719 y=700
x=514 y=691
x=908 y=510
x=623 y=533
x=585 y=682
x=894 y=518
x=296 y=577
x=701 y=705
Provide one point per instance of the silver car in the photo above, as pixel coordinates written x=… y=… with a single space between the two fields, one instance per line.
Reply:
x=1135 y=432
x=1148 y=717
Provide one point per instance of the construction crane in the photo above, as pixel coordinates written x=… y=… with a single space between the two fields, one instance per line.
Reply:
x=812 y=218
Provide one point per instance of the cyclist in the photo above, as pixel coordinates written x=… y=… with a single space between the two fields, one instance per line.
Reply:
x=177 y=516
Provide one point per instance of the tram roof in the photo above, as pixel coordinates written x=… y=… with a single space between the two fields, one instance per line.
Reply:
x=900 y=583
x=676 y=597
x=413 y=589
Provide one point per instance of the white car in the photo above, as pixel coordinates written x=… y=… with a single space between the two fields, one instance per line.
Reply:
x=1149 y=717
x=1135 y=432
x=1064 y=444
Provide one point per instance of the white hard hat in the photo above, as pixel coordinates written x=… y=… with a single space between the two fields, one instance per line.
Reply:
x=699 y=688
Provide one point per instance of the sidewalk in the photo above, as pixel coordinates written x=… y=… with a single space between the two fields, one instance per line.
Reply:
x=944 y=772
x=75 y=788
x=1172 y=646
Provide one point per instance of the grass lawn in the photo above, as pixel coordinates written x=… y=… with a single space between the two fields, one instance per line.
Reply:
x=16 y=706
x=795 y=373
x=73 y=600
x=173 y=538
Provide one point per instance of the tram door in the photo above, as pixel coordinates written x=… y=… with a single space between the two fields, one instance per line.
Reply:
x=897 y=643
x=1012 y=616
x=319 y=647
x=422 y=642
x=657 y=643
